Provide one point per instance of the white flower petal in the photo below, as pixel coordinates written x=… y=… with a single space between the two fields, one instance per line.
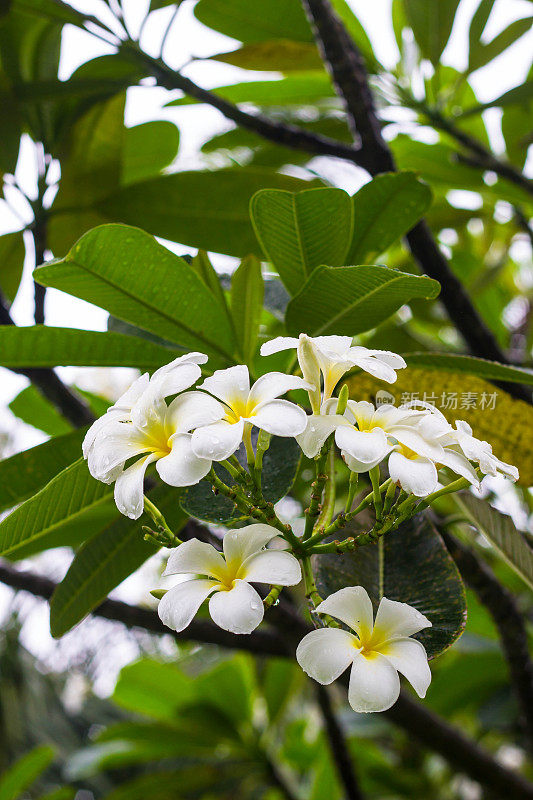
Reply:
x=192 y=410
x=127 y=400
x=411 y=438
x=240 y=544
x=333 y=347
x=417 y=476
x=129 y=488
x=319 y=427
x=239 y=611
x=353 y=606
x=115 y=444
x=376 y=368
x=278 y=344
x=188 y=358
x=279 y=417
x=100 y=425
x=374 y=683
x=409 y=657
x=385 y=356
x=217 y=441
x=459 y=464
x=198 y=558
x=182 y=467
x=326 y=653
x=368 y=447
x=230 y=385
x=271 y=566
x=272 y=385
x=179 y=605
x=175 y=378
x=396 y=620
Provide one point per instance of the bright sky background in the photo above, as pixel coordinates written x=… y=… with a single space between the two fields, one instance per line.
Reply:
x=190 y=38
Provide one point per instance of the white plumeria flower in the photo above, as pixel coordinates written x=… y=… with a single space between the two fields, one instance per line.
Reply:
x=481 y=452
x=376 y=651
x=234 y=604
x=143 y=425
x=319 y=427
x=334 y=356
x=259 y=406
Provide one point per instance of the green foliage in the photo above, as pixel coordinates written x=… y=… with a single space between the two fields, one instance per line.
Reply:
x=247 y=293
x=268 y=19
x=411 y=566
x=432 y=24
x=453 y=362
x=300 y=231
x=41 y=346
x=280 y=465
x=24 y=772
x=515 y=546
x=11 y=262
x=104 y=561
x=353 y=299
x=34 y=409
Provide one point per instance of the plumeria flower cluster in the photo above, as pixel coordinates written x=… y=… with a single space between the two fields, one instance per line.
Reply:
x=184 y=423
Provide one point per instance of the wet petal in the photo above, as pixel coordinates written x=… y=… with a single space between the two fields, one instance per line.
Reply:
x=395 y=619
x=191 y=410
x=416 y=476
x=368 y=447
x=326 y=653
x=129 y=488
x=374 y=683
x=279 y=417
x=278 y=344
x=196 y=557
x=217 y=441
x=272 y=566
x=353 y=606
x=179 y=605
x=319 y=427
x=240 y=544
x=272 y=385
x=239 y=611
x=409 y=657
x=229 y=384
x=182 y=467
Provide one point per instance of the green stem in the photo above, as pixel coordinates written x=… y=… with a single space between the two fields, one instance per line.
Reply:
x=454 y=486
x=247 y=439
x=317 y=488
x=272 y=597
x=389 y=498
x=374 y=479
x=352 y=490
x=168 y=537
x=328 y=505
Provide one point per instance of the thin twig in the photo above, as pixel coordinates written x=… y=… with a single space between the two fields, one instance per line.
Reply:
x=338 y=746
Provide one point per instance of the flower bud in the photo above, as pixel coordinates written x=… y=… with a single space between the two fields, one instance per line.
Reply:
x=310 y=369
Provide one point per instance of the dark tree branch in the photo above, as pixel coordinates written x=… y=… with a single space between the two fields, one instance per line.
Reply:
x=338 y=746
x=508 y=620
x=278 y=132
x=348 y=71
x=432 y=731
x=73 y=407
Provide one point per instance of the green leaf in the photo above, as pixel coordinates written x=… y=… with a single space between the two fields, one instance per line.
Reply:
x=302 y=88
x=44 y=346
x=230 y=687
x=487 y=52
x=247 y=293
x=34 y=409
x=154 y=689
x=105 y=560
x=431 y=24
x=519 y=95
x=416 y=568
x=24 y=772
x=63 y=500
x=209 y=276
x=451 y=362
x=299 y=231
x=136 y=279
x=384 y=209
x=148 y=148
x=279 y=683
x=275 y=55
x=25 y=473
x=51 y=10
x=262 y=21
x=513 y=545
x=478 y=22
x=353 y=299
x=280 y=465
x=12 y=253
x=209 y=210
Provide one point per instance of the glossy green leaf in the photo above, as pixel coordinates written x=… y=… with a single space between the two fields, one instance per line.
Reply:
x=416 y=568
x=515 y=546
x=274 y=55
x=148 y=148
x=384 y=209
x=297 y=89
x=209 y=210
x=105 y=560
x=209 y=276
x=279 y=682
x=452 y=362
x=34 y=409
x=25 y=473
x=154 y=689
x=45 y=346
x=24 y=772
x=247 y=293
x=280 y=465
x=230 y=688
x=138 y=280
x=431 y=24
x=12 y=253
x=299 y=231
x=63 y=500
x=262 y=21
x=353 y=299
